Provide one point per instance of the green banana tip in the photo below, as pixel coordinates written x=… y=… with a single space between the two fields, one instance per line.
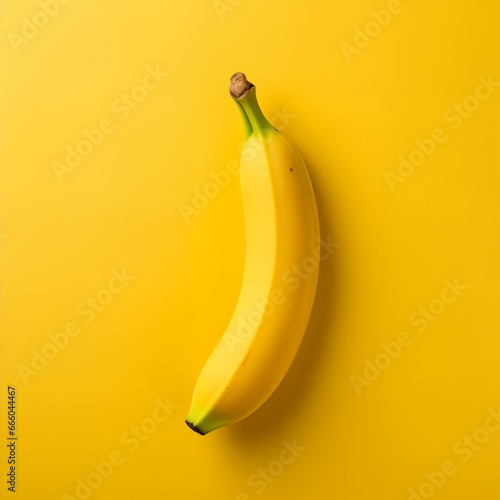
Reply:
x=194 y=428
x=239 y=85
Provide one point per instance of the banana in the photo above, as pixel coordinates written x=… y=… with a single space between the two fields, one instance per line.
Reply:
x=280 y=277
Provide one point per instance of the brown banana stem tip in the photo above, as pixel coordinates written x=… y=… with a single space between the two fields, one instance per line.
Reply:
x=239 y=85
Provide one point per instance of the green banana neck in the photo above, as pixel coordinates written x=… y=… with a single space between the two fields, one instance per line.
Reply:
x=246 y=122
x=254 y=120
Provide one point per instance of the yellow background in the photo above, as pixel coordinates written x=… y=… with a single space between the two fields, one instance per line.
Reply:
x=120 y=209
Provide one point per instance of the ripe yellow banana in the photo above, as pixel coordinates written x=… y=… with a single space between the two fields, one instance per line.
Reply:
x=282 y=235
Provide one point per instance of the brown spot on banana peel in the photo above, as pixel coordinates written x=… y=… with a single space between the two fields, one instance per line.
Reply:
x=246 y=357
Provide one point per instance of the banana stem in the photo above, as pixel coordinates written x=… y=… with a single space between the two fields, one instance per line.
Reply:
x=246 y=122
x=243 y=92
x=257 y=119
